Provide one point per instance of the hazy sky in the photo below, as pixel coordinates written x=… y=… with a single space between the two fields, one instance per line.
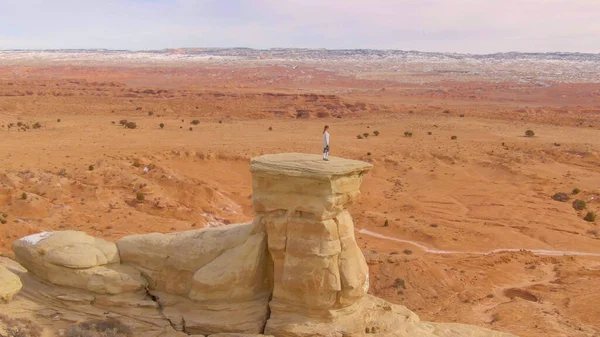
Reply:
x=471 y=26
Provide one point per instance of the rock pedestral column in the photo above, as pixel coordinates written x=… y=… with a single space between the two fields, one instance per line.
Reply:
x=319 y=272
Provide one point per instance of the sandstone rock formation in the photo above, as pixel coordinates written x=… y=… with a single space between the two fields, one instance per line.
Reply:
x=320 y=274
x=214 y=280
x=295 y=271
x=75 y=259
x=10 y=284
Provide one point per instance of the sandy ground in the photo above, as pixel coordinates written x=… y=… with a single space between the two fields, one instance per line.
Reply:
x=448 y=203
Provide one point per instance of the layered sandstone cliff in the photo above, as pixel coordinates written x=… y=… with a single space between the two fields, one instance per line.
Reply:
x=296 y=270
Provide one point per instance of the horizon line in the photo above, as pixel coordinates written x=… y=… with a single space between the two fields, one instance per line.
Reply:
x=284 y=48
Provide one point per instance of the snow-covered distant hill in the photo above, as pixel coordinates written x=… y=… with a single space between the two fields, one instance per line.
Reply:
x=295 y=54
x=513 y=66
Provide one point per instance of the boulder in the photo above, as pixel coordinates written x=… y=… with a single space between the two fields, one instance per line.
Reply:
x=75 y=259
x=213 y=279
x=171 y=269
x=238 y=274
x=10 y=284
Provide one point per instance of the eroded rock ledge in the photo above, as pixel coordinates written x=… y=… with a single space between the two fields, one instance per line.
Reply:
x=296 y=270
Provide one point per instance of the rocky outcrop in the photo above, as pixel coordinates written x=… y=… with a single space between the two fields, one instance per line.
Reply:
x=75 y=259
x=295 y=271
x=10 y=284
x=320 y=274
x=218 y=282
x=385 y=319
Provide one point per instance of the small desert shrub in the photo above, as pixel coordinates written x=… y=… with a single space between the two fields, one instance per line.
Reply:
x=113 y=122
x=136 y=163
x=3 y=221
x=58 y=121
x=150 y=113
x=368 y=153
x=220 y=122
x=270 y=128
x=36 y=125
x=366 y=134
x=99 y=328
x=446 y=111
x=590 y=217
x=123 y=121
x=140 y=196
x=556 y=144
x=462 y=116
x=561 y=197
x=408 y=134
x=23 y=195
x=195 y=122
x=579 y=204
x=376 y=133
x=386 y=223
x=4 y=215
x=593 y=232
x=407 y=251
x=429 y=133
x=162 y=125
x=19 y=327
x=191 y=128
x=91 y=167
x=400 y=283
x=529 y=133
x=20 y=124
x=359 y=137
x=576 y=190
x=453 y=137
x=434 y=225
x=131 y=125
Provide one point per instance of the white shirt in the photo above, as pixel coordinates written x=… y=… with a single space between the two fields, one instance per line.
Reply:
x=325 y=139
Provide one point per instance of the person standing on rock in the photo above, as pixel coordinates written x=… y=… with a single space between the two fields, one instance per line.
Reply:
x=326 y=143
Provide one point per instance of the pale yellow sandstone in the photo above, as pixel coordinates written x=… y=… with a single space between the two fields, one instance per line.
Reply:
x=10 y=284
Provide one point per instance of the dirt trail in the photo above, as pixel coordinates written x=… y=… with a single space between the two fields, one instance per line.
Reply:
x=543 y=252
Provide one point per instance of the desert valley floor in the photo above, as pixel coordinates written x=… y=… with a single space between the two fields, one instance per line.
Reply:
x=456 y=219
